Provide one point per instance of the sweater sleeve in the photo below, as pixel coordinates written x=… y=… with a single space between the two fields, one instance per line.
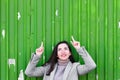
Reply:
x=89 y=62
x=32 y=70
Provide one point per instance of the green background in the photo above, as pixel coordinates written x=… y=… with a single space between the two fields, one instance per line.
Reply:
x=95 y=23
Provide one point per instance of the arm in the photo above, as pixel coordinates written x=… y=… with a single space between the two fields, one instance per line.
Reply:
x=89 y=63
x=32 y=70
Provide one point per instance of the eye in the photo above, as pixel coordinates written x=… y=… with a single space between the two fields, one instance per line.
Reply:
x=59 y=49
x=66 y=48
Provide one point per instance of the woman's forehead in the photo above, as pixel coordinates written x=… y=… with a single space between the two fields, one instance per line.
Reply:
x=62 y=45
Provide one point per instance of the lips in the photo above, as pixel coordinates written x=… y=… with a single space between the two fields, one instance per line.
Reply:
x=63 y=55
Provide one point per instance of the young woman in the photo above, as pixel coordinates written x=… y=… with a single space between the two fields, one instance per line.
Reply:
x=61 y=65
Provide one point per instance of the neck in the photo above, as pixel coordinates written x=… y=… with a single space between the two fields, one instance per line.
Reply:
x=63 y=62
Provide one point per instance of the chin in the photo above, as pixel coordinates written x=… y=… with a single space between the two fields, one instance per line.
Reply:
x=64 y=59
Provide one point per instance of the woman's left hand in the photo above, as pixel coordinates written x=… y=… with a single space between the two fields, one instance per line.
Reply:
x=75 y=43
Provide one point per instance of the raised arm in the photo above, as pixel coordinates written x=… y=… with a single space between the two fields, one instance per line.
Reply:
x=32 y=70
x=89 y=62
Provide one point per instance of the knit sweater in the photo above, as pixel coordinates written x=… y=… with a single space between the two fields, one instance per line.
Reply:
x=60 y=69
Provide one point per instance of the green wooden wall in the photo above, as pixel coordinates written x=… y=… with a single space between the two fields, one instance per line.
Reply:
x=25 y=23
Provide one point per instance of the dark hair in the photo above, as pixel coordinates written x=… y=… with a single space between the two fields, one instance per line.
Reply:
x=53 y=59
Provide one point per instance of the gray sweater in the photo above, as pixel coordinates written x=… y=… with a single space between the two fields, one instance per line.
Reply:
x=61 y=65
x=71 y=71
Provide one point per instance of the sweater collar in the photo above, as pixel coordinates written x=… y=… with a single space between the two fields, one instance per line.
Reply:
x=63 y=63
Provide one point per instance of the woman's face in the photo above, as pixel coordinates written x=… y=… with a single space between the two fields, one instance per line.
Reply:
x=63 y=51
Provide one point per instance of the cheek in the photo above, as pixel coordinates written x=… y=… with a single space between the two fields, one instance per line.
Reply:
x=68 y=53
x=58 y=54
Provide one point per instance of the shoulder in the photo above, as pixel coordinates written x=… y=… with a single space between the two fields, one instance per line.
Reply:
x=76 y=63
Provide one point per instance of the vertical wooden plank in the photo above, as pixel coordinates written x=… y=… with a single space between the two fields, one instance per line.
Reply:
x=3 y=39
x=53 y=22
x=84 y=22
x=101 y=47
x=110 y=39
x=87 y=23
x=33 y=25
x=92 y=31
x=79 y=19
x=71 y=18
x=0 y=39
x=26 y=35
x=115 y=41
x=13 y=38
x=7 y=37
x=75 y=19
x=11 y=51
x=21 y=26
x=48 y=29
x=57 y=21
x=16 y=37
x=39 y=22
x=97 y=39
x=66 y=18
x=118 y=37
x=105 y=36
x=62 y=20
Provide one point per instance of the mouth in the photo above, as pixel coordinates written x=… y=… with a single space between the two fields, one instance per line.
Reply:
x=63 y=55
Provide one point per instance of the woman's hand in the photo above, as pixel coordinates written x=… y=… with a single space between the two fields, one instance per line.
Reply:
x=75 y=43
x=40 y=50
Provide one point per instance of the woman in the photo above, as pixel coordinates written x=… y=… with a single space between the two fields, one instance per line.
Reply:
x=61 y=65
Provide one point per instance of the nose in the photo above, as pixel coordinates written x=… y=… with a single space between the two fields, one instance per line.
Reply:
x=62 y=51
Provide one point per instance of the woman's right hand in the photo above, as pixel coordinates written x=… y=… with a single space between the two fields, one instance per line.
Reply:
x=40 y=50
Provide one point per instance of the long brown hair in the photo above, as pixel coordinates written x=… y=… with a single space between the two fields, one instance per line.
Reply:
x=54 y=59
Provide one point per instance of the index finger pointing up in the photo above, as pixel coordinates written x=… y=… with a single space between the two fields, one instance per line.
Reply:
x=73 y=39
x=41 y=44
